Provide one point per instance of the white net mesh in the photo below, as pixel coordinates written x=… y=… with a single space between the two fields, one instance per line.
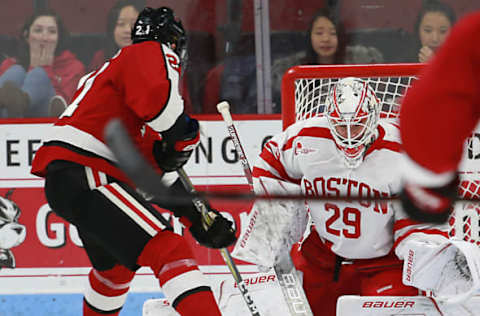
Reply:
x=310 y=94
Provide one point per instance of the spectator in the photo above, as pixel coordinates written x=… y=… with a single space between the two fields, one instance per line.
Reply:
x=43 y=74
x=432 y=26
x=234 y=80
x=120 y=20
x=325 y=44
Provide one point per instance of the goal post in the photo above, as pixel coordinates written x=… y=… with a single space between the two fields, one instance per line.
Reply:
x=304 y=91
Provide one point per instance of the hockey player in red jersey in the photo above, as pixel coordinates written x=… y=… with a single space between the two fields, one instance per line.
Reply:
x=438 y=113
x=119 y=229
x=355 y=247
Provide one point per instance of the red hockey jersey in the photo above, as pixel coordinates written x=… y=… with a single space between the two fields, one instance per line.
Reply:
x=443 y=106
x=139 y=85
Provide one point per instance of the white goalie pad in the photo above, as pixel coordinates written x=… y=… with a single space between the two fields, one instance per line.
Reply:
x=273 y=226
x=264 y=290
x=450 y=269
x=351 y=305
x=158 y=307
x=263 y=287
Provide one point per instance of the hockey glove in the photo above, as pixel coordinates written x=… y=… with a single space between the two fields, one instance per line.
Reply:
x=429 y=204
x=177 y=144
x=219 y=234
x=448 y=268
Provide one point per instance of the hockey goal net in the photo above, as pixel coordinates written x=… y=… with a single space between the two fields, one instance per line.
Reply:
x=304 y=91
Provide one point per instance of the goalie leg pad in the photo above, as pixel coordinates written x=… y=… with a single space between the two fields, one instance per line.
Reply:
x=273 y=226
x=387 y=282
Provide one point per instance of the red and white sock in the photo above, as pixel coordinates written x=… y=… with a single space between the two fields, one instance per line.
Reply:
x=186 y=288
x=107 y=291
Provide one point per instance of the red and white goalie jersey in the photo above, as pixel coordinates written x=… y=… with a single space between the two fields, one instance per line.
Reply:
x=306 y=154
x=139 y=85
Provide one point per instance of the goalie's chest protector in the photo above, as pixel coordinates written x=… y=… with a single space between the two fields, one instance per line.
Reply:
x=352 y=229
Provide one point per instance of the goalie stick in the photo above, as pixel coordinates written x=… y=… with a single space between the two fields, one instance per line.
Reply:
x=147 y=179
x=287 y=275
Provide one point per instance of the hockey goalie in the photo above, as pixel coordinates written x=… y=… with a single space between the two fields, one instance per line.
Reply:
x=350 y=247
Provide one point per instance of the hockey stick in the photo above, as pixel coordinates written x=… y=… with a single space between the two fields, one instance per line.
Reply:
x=147 y=179
x=202 y=207
x=287 y=275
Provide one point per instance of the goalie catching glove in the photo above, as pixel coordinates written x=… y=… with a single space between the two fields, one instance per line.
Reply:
x=177 y=144
x=448 y=268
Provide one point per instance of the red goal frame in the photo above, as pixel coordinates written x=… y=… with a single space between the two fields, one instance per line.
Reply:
x=464 y=225
x=336 y=71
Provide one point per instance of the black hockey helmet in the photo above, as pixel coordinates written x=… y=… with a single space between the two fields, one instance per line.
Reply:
x=161 y=25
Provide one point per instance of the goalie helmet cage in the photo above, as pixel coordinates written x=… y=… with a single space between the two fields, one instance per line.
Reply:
x=305 y=89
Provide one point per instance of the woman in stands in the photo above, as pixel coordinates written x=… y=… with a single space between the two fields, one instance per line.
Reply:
x=325 y=45
x=43 y=74
x=120 y=20
x=432 y=26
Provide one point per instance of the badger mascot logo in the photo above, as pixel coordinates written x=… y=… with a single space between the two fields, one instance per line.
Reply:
x=12 y=233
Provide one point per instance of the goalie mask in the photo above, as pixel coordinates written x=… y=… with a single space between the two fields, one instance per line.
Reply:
x=161 y=25
x=352 y=110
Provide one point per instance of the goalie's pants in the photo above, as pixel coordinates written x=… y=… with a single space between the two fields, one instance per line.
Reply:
x=120 y=232
x=324 y=281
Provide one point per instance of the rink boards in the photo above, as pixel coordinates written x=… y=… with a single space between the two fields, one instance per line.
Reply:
x=50 y=263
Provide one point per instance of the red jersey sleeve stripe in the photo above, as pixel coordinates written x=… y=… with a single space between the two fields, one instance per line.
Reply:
x=402 y=223
x=381 y=143
x=270 y=159
x=424 y=231
x=259 y=172
x=320 y=132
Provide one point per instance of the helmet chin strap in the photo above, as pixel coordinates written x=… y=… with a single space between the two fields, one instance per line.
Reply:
x=353 y=157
